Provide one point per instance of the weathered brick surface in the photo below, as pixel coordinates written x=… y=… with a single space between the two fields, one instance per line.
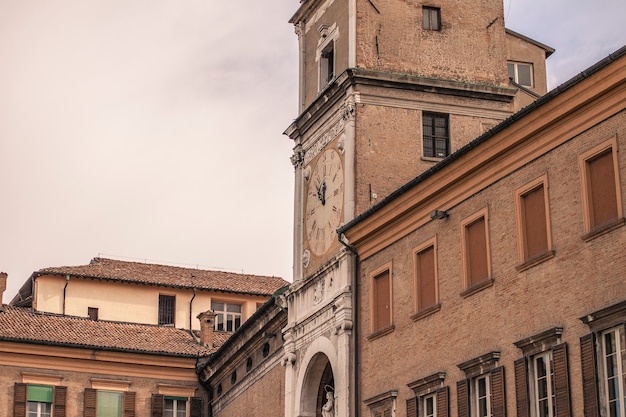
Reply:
x=581 y=278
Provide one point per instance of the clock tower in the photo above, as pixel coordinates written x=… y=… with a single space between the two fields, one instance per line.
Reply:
x=388 y=88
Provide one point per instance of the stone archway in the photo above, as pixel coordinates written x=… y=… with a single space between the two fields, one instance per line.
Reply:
x=318 y=380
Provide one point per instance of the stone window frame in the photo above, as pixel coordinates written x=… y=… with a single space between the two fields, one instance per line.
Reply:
x=424 y=311
x=430 y=387
x=486 y=368
x=326 y=44
x=383 y=405
x=548 y=342
x=591 y=230
x=525 y=261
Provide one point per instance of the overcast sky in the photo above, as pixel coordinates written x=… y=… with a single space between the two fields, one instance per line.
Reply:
x=151 y=130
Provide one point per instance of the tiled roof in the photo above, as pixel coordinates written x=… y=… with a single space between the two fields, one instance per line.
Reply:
x=19 y=324
x=172 y=276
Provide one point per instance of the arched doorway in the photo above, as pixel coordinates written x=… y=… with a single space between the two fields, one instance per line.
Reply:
x=318 y=382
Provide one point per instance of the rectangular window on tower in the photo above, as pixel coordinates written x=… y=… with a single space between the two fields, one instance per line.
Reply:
x=521 y=73
x=327 y=64
x=602 y=200
x=431 y=18
x=381 y=296
x=435 y=135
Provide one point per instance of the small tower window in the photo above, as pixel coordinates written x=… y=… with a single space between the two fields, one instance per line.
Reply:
x=431 y=19
x=327 y=64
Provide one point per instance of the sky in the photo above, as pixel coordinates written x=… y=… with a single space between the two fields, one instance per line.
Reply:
x=151 y=130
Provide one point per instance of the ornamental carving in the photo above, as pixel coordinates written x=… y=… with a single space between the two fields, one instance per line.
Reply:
x=328 y=136
x=318 y=291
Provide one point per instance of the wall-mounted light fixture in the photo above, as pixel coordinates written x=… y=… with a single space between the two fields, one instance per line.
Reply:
x=438 y=214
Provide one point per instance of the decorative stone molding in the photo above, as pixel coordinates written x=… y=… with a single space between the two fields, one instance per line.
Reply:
x=325 y=138
x=297 y=159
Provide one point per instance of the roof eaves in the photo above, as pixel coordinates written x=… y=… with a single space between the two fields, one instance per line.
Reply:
x=485 y=136
x=549 y=50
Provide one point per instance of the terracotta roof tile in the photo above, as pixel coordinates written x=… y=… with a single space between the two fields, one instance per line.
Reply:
x=25 y=325
x=152 y=274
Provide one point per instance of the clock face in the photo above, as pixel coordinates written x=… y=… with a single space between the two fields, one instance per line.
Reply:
x=324 y=201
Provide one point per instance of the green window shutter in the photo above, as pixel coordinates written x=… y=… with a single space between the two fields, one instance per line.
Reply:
x=40 y=393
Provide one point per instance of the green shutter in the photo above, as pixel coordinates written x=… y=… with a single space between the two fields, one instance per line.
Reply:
x=40 y=393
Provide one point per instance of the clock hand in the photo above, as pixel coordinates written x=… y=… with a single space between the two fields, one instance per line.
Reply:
x=323 y=193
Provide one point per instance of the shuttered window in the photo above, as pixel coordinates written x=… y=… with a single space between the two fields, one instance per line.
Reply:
x=614 y=373
x=381 y=294
x=425 y=278
x=534 y=222
x=443 y=402
x=33 y=400
x=543 y=384
x=601 y=188
x=589 y=374
x=482 y=396
x=411 y=407
x=103 y=403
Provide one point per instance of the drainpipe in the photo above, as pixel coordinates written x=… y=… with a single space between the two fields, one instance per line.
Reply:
x=355 y=328
x=67 y=281
x=190 y=317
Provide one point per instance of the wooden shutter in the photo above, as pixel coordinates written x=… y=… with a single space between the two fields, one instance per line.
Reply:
x=19 y=400
x=427 y=292
x=534 y=223
x=602 y=191
x=561 y=380
x=382 y=297
x=195 y=409
x=129 y=404
x=462 y=398
x=60 y=395
x=411 y=407
x=89 y=406
x=590 y=376
x=477 y=270
x=521 y=387
x=443 y=409
x=156 y=405
x=498 y=393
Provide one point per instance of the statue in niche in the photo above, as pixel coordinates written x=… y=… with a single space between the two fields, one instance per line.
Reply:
x=329 y=405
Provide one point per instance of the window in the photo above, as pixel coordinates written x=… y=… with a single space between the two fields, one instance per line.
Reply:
x=35 y=400
x=435 y=135
x=521 y=73
x=227 y=316
x=381 y=296
x=475 y=254
x=167 y=305
x=533 y=223
x=106 y=398
x=481 y=394
x=542 y=376
x=327 y=64
x=176 y=406
x=92 y=312
x=431 y=18
x=602 y=201
x=604 y=379
x=382 y=405
x=431 y=397
x=426 y=289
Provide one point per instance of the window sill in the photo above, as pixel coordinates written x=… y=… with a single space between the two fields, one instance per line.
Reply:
x=536 y=260
x=478 y=287
x=605 y=228
x=432 y=158
x=426 y=312
x=381 y=332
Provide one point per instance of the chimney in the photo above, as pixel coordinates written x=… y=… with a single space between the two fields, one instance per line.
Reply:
x=3 y=284
x=207 y=324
